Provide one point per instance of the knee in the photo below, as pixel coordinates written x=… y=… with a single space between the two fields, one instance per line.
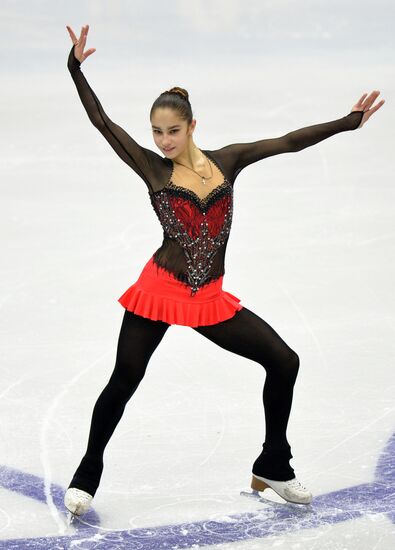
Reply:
x=291 y=365
x=285 y=366
x=295 y=361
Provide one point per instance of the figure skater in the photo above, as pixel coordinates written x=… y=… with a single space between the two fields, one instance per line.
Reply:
x=191 y=192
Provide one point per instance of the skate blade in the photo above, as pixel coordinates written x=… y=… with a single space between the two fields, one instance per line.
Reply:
x=251 y=494
x=70 y=518
x=257 y=496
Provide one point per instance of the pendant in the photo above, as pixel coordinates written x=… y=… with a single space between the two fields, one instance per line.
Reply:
x=203 y=180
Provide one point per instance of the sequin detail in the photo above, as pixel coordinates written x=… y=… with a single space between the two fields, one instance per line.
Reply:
x=200 y=226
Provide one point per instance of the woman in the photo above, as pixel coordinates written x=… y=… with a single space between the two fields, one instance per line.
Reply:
x=191 y=191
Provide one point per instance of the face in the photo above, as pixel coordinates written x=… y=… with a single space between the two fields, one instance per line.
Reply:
x=171 y=132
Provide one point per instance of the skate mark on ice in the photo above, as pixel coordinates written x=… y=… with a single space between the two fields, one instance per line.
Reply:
x=375 y=497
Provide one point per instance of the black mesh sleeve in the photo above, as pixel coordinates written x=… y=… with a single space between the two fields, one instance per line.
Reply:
x=151 y=167
x=237 y=156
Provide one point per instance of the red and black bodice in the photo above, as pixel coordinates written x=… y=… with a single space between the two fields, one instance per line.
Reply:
x=195 y=232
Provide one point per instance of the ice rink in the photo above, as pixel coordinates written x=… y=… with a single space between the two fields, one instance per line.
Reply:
x=311 y=251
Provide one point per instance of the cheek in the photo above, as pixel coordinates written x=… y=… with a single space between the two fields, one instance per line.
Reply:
x=180 y=139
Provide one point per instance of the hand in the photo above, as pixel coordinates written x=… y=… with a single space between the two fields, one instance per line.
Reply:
x=366 y=104
x=80 y=43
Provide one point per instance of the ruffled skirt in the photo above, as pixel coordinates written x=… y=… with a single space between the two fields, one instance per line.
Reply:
x=158 y=295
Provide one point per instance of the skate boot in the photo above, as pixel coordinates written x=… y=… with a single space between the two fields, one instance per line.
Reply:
x=272 y=470
x=77 y=501
x=83 y=486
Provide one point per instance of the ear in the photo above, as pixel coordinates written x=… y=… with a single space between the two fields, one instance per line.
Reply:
x=192 y=125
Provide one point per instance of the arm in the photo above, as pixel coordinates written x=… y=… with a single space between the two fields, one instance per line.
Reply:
x=140 y=159
x=241 y=155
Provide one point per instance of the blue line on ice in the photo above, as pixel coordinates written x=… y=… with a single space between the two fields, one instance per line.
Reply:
x=375 y=497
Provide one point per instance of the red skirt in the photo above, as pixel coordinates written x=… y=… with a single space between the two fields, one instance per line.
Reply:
x=158 y=295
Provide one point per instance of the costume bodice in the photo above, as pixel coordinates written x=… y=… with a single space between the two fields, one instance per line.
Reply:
x=197 y=227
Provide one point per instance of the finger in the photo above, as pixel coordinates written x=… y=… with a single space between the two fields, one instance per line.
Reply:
x=372 y=98
x=361 y=98
x=374 y=109
x=374 y=94
x=89 y=52
x=85 y=36
x=72 y=35
x=361 y=102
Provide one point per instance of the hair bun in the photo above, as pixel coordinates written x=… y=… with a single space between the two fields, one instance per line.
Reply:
x=176 y=99
x=180 y=91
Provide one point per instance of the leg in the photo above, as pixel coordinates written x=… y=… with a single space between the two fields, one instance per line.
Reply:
x=248 y=335
x=138 y=339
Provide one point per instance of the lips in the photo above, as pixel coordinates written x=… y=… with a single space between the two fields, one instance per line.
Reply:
x=167 y=150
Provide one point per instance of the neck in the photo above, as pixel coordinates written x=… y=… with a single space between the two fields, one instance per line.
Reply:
x=191 y=156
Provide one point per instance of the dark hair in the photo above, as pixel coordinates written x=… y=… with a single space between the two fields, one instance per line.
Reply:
x=177 y=99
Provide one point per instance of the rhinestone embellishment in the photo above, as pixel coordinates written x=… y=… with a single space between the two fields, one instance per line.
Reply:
x=201 y=233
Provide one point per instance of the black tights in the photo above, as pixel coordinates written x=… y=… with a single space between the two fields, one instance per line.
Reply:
x=245 y=334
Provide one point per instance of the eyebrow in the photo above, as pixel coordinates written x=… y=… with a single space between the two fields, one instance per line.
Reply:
x=170 y=127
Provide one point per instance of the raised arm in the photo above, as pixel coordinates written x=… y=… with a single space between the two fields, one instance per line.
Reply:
x=146 y=163
x=239 y=155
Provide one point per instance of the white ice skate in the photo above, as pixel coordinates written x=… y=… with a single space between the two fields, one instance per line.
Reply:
x=77 y=502
x=291 y=490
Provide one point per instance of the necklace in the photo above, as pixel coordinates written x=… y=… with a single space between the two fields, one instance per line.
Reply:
x=204 y=178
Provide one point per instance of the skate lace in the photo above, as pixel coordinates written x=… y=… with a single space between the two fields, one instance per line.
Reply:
x=295 y=484
x=85 y=498
x=82 y=496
